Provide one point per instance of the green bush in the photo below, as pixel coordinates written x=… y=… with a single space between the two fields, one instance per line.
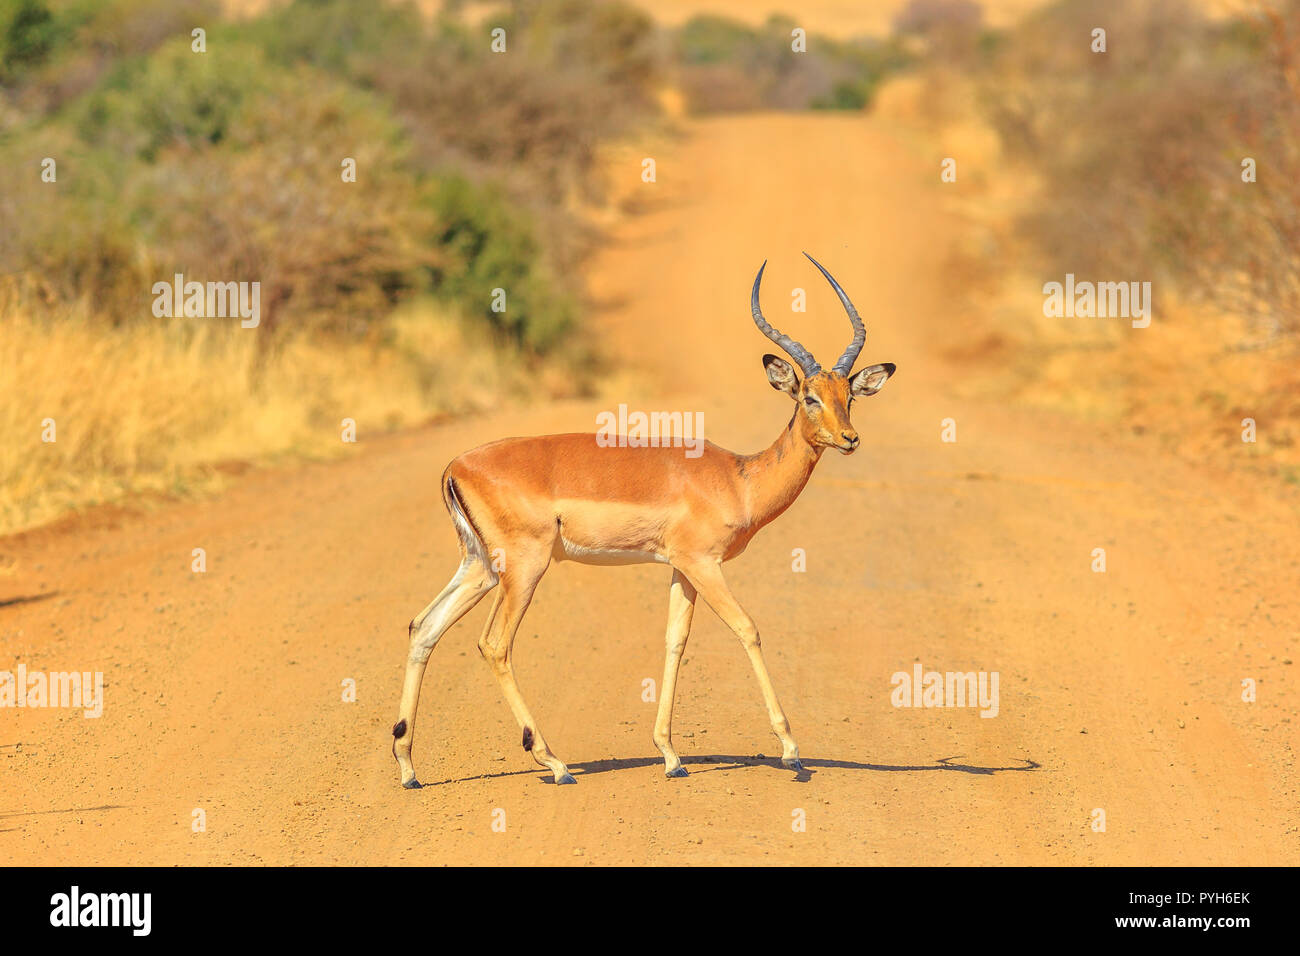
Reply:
x=347 y=38
x=488 y=246
x=28 y=32
x=846 y=95
x=222 y=166
x=172 y=99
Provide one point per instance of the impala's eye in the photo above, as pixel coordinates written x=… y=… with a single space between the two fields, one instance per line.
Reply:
x=810 y=401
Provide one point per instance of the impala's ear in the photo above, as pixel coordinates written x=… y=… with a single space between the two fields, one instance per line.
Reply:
x=870 y=380
x=781 y=374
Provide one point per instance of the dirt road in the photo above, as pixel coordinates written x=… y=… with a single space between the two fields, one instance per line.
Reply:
x=1119 y=691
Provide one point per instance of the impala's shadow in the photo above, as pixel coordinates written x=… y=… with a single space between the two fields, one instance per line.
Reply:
x=707 y=764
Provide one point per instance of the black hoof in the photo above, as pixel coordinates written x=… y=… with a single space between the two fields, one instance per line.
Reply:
x=412 y=784
x=794 y=764
x=567 y=778
x=679 y=772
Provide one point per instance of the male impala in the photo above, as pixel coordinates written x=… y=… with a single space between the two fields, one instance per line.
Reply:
x=565 y=497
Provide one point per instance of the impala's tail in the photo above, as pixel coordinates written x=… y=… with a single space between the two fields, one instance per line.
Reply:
x=471 y=542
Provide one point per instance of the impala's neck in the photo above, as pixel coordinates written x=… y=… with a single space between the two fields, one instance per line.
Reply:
x=777 y=475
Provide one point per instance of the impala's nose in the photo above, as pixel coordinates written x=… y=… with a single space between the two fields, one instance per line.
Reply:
x=850 y=439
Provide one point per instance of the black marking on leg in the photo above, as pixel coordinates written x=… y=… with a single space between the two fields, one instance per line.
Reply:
x=399 y=729
x=528 y=738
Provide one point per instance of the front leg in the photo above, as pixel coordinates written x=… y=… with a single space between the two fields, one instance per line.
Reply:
x=708 y=580
x=681 y=608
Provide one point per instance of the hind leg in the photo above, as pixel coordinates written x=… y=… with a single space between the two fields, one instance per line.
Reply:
x=518 y=583
x=473 y=580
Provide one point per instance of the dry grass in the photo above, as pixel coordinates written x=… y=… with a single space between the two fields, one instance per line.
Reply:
x=1187 y=381
x=155 y=407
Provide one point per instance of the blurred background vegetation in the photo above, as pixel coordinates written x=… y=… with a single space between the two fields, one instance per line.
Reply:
x=478 y=171
x=1138 y=153
x=1128 y=165
x=723 y=66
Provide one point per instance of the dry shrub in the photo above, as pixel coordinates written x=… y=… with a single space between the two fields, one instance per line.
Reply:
x=1127 y=166
x=1138 y=150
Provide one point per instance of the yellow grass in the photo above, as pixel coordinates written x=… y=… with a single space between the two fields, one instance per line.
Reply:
x=152 y=407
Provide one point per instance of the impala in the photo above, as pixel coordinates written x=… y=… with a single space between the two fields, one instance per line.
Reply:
x=565 y=497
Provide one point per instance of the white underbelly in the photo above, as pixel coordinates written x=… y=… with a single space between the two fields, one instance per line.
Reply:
x=566 y=550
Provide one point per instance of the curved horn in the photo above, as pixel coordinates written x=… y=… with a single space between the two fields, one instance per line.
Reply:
x=791 y=347
x=845 y=363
